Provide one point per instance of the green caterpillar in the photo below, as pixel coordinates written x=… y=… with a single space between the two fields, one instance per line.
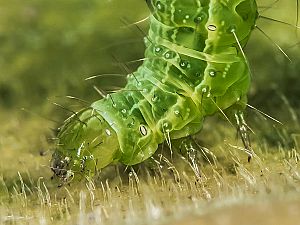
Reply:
x=194 y=68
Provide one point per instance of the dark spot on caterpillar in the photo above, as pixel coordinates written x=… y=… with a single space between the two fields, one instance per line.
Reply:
x=186 y=29
x=201 y=17
x=170 y=55
x=243 y=9
x=160 y=6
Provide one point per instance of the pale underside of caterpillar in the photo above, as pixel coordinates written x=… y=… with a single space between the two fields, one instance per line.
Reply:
x=194 y=68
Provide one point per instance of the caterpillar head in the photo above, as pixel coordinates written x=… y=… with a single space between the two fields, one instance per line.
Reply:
x=60 y=168
x=86 y=144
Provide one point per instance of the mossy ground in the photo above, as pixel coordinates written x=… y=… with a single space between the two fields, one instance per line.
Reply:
x=166 y=190
x=46 y=54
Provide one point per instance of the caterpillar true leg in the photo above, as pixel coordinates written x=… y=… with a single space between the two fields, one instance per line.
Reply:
x=194 y=154
x=189 y=150
x=243 y=131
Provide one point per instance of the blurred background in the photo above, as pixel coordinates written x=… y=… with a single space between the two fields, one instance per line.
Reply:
x=48 y=48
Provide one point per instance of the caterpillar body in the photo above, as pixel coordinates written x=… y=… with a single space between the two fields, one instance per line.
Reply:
x=194 y=68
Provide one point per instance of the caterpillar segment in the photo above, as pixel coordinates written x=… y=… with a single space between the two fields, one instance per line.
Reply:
x=194 y=67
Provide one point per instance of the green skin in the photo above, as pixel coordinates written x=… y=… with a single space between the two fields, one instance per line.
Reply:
x=193 y=68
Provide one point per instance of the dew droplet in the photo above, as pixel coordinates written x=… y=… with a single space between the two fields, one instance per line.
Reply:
x=124 y=111
x=158 y=49
x=184 y=64
x=166 y=126
x=108 y=132
x=212 y=73
x=177 y=113
x=204 y=89
x=154 y=98
x=160 y=6
x=170 y=55
x=200 y=18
